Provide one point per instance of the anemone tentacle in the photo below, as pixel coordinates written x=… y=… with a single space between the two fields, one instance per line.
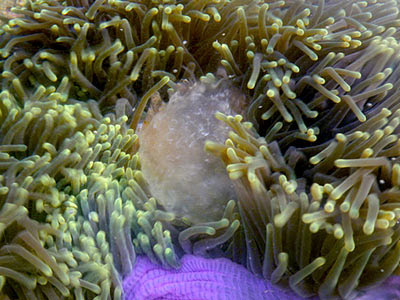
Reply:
x=313 y=158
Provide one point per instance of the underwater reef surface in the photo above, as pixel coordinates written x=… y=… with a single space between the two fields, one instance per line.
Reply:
x=311 y=148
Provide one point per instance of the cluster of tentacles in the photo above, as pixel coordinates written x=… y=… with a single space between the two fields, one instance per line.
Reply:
x=314 y=160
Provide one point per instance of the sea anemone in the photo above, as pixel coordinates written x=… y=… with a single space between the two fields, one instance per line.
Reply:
x=108 y=49
x=331 y=236
x=75 y=204
x=313 y=157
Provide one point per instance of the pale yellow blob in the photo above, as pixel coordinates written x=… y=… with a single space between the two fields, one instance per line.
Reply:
x=184 y=178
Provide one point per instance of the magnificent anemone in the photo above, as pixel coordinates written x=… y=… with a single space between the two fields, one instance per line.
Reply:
x=109 y=49
x=75 y=210
x=313 y=159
